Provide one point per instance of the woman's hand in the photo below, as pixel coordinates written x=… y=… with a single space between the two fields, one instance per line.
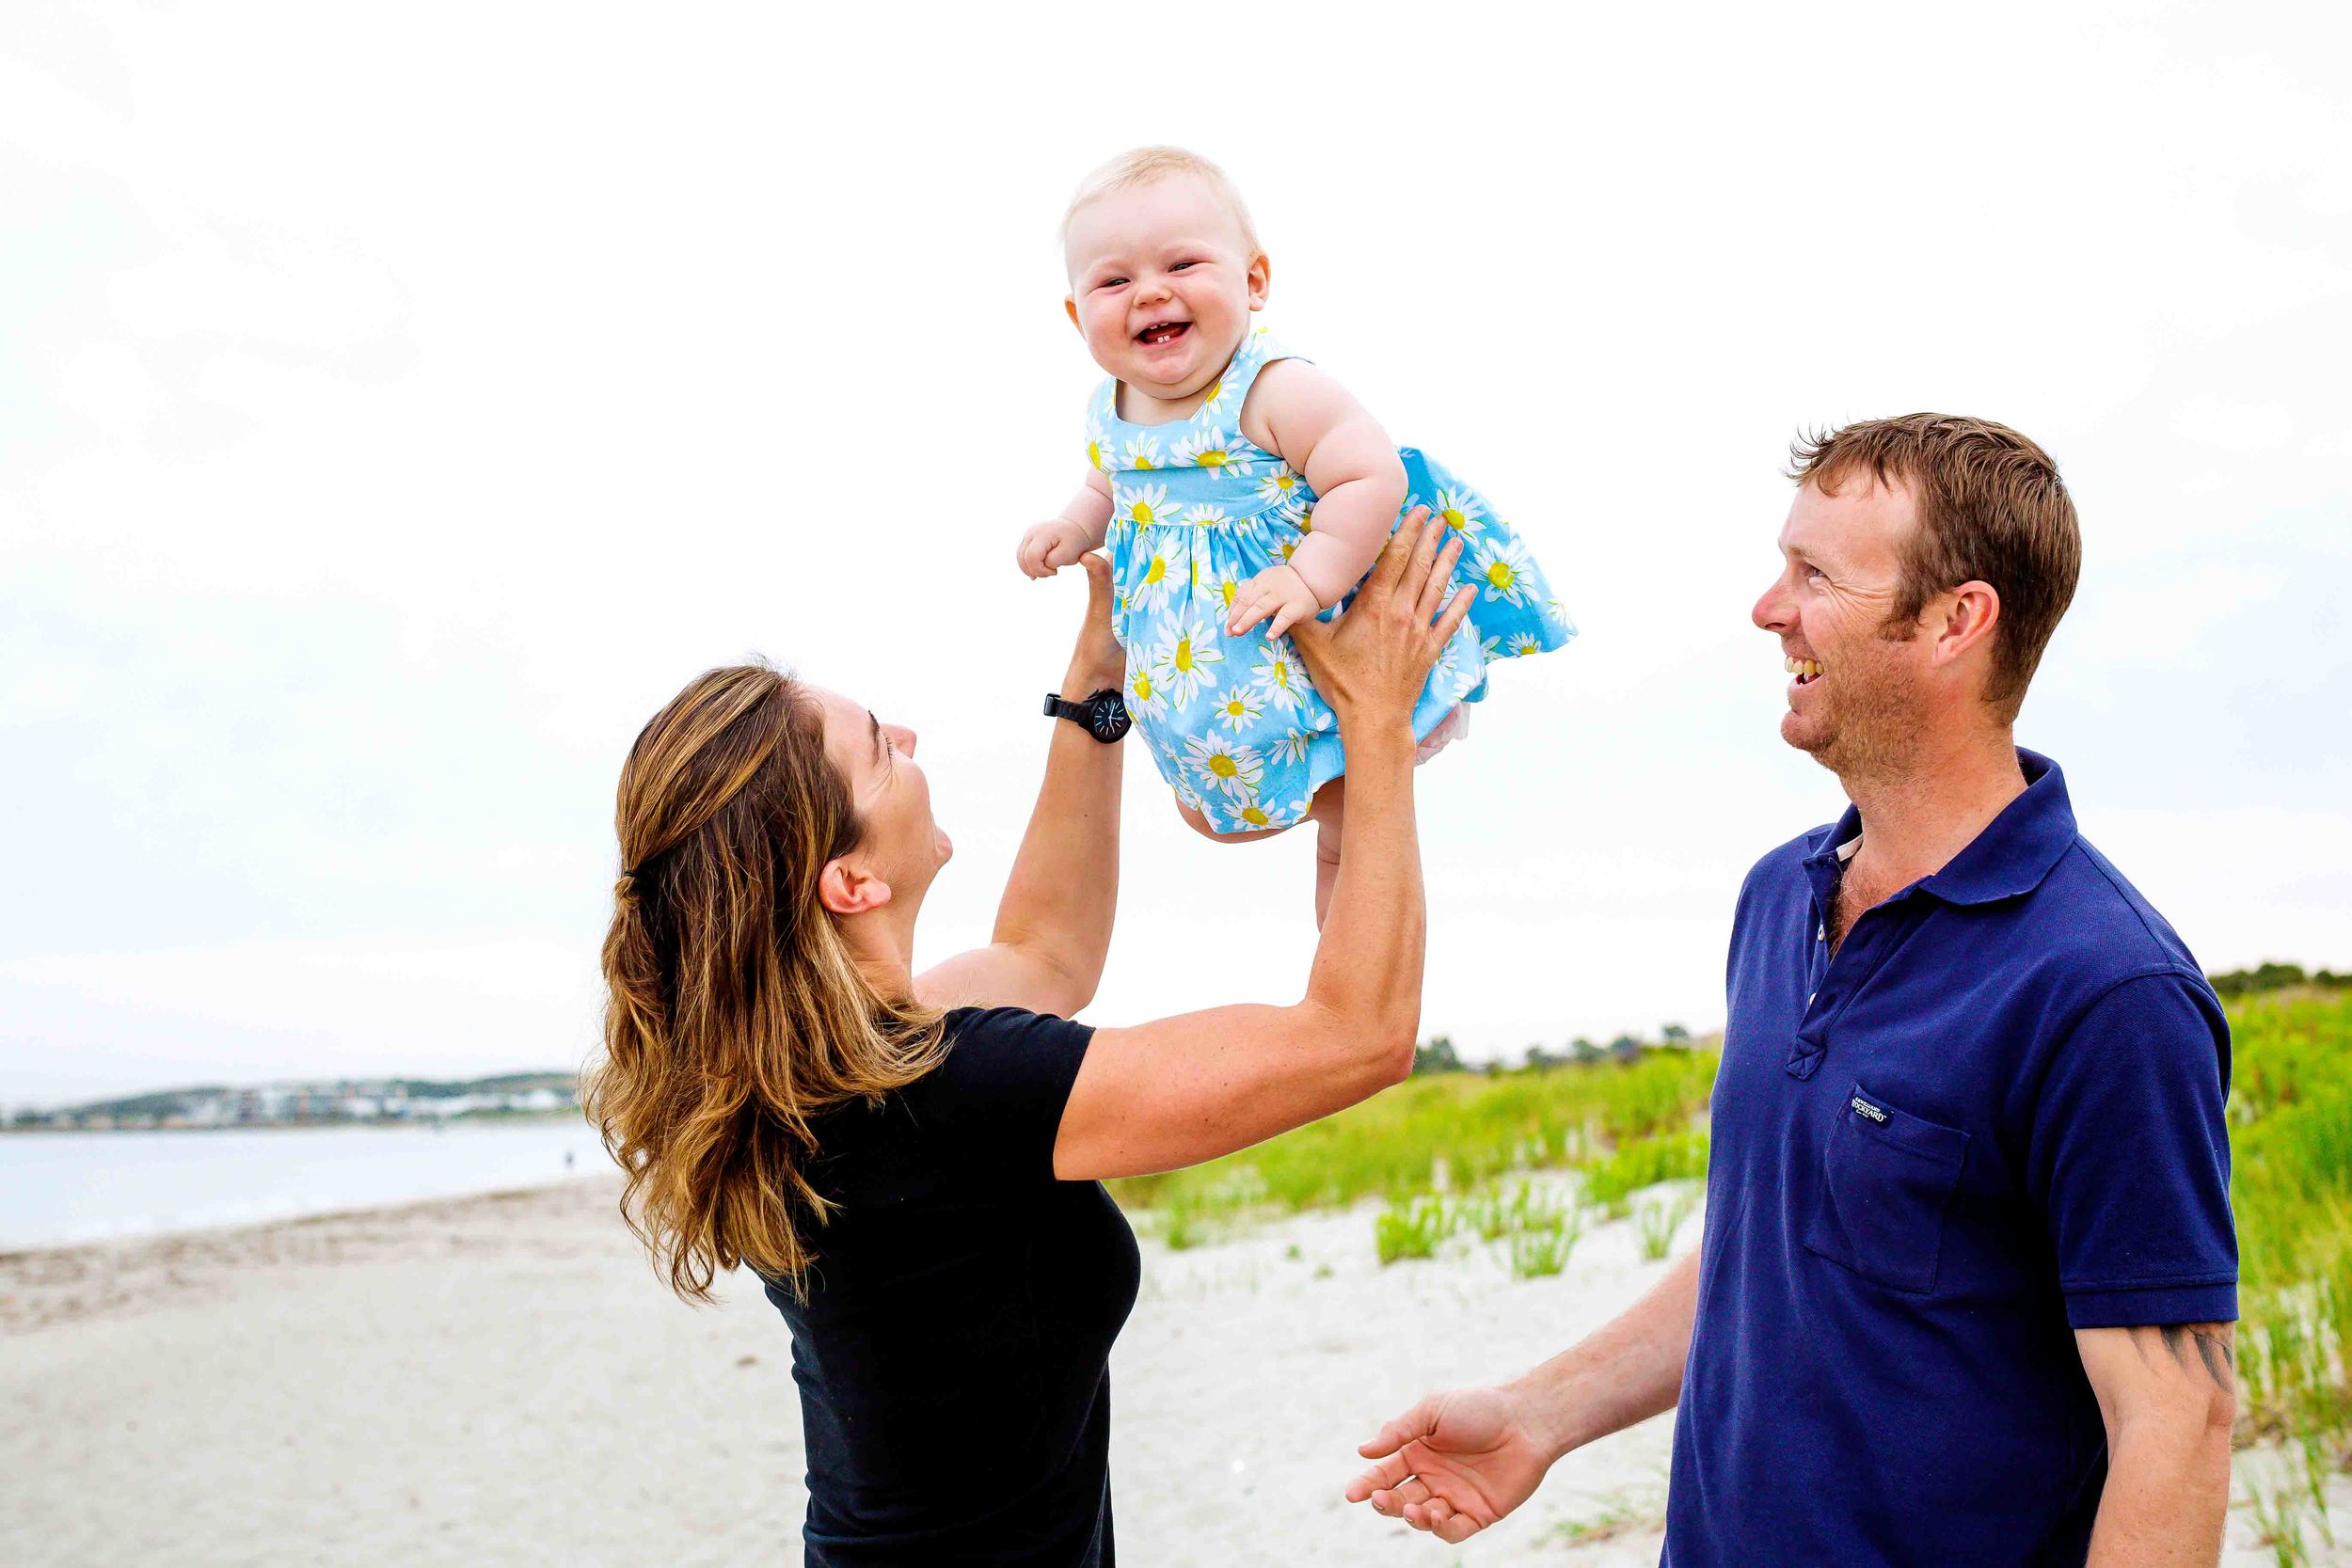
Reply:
x=1370 y=661
x=1098 y=661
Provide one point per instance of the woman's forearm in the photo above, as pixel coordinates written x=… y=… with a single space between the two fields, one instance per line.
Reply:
x=1063 y=891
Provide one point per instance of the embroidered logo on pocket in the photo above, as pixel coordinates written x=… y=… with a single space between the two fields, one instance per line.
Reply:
x=1886 y=1177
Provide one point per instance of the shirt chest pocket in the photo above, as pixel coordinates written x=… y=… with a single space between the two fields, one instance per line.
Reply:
x=1886 y=1180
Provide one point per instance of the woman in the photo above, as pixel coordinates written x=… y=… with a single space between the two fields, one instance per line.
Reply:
x=913 y=1163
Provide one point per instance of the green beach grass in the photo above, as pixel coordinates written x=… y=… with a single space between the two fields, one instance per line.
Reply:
x=1454 y=1152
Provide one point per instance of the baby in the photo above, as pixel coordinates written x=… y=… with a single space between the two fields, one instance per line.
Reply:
x=1240 y=489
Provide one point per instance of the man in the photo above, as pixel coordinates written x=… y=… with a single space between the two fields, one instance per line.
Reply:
x=1965 y=1290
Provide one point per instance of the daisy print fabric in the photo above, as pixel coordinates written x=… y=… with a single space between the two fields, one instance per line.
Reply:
x=1233 y=724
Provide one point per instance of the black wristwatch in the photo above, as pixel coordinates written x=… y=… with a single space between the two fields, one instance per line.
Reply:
x=1104 y=716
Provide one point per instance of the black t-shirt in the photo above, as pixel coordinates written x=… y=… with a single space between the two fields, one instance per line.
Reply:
x=952 y=1353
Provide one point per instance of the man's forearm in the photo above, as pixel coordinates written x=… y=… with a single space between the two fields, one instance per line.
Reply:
x=1626 y=1371
x=2168 y=1491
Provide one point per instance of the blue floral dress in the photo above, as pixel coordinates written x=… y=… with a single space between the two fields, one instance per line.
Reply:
x=1197 y=510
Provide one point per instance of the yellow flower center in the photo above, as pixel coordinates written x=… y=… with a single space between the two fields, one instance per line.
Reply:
x=1225 y=590
x=1284 y=482
x=1094 y=454
x=1501 y=574
x=1454 y=518
x=1183 y=656
x=1222 y=766
x=1524 y=649
x=1142 y=461
x=1236 y=708
x=1141 y=512
x=1143 y=688
x=1217 y=391
x=1213 y=458
x=1307 y=521
x=1255 y=818
x=1154 y=572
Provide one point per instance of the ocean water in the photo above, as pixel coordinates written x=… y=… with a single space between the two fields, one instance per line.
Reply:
x=63 y=1187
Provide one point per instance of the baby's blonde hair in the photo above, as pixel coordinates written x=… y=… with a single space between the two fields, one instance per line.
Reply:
x=1147 y=163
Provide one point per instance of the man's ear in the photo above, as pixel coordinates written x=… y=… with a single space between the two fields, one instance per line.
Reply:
x=847 y=888
x=1261 y=275
x=1970 y=613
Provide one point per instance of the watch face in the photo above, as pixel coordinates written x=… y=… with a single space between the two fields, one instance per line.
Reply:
x=1109 y=720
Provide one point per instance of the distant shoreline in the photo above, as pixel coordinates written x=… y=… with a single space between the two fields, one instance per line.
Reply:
x=315 y=1125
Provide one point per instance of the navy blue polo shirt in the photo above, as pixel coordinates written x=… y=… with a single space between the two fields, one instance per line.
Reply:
x=1992 y=1117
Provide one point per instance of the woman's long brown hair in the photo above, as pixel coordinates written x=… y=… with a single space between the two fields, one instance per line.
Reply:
x=734 y=1013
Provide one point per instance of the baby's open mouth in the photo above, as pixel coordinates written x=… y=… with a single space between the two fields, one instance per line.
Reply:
x=1162 y=332
x=1806 y=670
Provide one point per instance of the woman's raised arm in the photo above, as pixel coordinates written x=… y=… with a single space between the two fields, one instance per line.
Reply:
x=1188 y=1089
x=1054 y=925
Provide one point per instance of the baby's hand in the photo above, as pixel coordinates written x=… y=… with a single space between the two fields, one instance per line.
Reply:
x=1052 y=545
x=1277 y=592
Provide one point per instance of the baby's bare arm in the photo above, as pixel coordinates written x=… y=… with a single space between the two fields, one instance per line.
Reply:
x=1315 y=426
x=1090 y=508
x=1056 y=543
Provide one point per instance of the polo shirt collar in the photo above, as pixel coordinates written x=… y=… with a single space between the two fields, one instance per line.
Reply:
x=2009 y=858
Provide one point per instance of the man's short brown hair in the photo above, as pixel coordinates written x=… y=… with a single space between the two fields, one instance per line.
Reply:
x=1992 y=509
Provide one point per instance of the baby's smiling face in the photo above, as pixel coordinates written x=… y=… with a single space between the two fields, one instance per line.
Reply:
x=1162 y=284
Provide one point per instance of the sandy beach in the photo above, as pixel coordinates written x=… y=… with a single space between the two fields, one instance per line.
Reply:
x=501 y=1380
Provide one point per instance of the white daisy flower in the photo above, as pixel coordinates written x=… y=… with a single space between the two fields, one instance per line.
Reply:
x=1491 y=646
x=1237 y=709
x=1278 y=680
x=1098 y=446
x=1453 y=661
x=1212 y=448
x=1142 y=504
x=1224 y=586
x=1153 y=584
x=1221 y=768
x=1252 y=815
x=1286 y=488
x=1143 y=690
x=1207 y=516
x=1143 y=452
x=1504 y=569
x=1292 y=747
x=1186 y=656
x=1526 y=643
x=1462 y=513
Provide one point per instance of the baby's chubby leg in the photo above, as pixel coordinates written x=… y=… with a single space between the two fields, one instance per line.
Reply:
x=1325 y=814
x=1328 y=812
x=1199 y=824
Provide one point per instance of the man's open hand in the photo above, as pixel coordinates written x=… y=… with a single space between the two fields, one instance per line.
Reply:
x=1454 y=1462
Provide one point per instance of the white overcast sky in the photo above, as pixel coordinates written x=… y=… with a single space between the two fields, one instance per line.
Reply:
x=398 y=403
